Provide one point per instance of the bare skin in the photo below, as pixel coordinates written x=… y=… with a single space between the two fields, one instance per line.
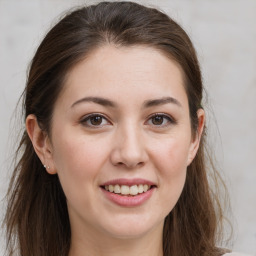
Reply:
x=123 y=114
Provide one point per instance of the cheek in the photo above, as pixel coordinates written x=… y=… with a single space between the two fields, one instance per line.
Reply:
x=78 y=162
x=170 y=159
x=171 y=156
x=78 y=157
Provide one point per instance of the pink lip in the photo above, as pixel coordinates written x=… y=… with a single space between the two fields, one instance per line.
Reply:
x=128 y=201
x=129 y=182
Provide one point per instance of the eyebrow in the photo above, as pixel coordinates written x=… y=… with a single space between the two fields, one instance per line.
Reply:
x=97 y=100
x=109 y=103
x=161 y=101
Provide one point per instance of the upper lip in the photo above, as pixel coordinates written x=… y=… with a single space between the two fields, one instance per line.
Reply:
x=129 y=182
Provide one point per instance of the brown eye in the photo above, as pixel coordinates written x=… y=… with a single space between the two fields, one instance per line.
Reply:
x=94 y=120
x=160 y=120
x=157 y=120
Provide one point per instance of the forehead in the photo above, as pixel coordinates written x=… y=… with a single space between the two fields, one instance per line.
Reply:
x=127 y=70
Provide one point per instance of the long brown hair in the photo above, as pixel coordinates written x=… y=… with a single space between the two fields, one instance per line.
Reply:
x=37 y=220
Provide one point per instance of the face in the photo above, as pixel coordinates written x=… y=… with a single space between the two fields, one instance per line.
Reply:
x=121 y=141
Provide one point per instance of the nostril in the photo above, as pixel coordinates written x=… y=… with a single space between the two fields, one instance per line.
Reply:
x=130 y=165
x=120 y=164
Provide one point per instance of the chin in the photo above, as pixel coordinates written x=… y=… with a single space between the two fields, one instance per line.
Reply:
x=128 y=234
x=131 y=229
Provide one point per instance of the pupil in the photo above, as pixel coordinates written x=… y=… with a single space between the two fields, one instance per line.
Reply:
x=96 y=120
x=157 y=120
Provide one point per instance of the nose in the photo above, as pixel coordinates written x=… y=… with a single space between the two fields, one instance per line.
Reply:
x=129 y=148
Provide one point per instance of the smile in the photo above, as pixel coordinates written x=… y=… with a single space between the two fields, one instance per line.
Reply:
x=128 y=190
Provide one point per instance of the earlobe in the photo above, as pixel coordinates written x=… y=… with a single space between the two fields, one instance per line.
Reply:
x=196 y=140
x=41 y=143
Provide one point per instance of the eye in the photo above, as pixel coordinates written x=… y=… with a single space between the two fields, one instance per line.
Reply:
x=94 y=120
x=160 y=120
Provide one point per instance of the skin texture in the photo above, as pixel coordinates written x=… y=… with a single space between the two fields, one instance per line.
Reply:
x=126 y=143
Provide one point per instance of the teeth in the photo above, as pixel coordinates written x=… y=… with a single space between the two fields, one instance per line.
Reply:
x=110 y=188
x=126 y=190
x=117 y=189
x=141 y=190
x=145 y=188
x=134 y=190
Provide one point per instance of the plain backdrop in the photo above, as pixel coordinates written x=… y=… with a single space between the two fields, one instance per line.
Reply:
x=224 y=34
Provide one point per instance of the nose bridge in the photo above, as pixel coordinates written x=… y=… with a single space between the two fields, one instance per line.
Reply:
x=129 y=146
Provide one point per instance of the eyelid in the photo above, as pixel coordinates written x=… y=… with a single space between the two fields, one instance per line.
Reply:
x=171 y=120
x=168 y=117
x=87 y=117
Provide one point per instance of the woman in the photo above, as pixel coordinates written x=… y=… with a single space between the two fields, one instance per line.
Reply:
x=113 y=157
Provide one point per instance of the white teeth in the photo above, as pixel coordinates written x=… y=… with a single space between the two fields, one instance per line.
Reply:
x=145 y=188
x=126 y=190
x=117 y=189
x=111 y=188
x=141 y=190
x=134 y=190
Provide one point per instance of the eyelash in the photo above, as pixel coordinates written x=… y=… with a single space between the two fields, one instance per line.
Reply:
x=169 y=120
x=88 y=118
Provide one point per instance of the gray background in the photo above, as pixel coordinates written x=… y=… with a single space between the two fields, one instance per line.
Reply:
x=224 y=33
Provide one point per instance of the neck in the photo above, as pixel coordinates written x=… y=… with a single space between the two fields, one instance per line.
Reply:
x=86 y=244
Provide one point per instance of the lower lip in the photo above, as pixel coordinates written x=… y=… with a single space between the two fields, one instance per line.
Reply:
x=128 y=201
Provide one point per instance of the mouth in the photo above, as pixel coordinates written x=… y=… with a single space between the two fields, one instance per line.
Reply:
x=126 y=190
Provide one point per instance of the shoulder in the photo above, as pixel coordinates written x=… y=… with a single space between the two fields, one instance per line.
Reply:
x=235 y=254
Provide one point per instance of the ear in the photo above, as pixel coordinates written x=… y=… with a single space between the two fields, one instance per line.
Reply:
x=196 y=139
x=41 y=143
